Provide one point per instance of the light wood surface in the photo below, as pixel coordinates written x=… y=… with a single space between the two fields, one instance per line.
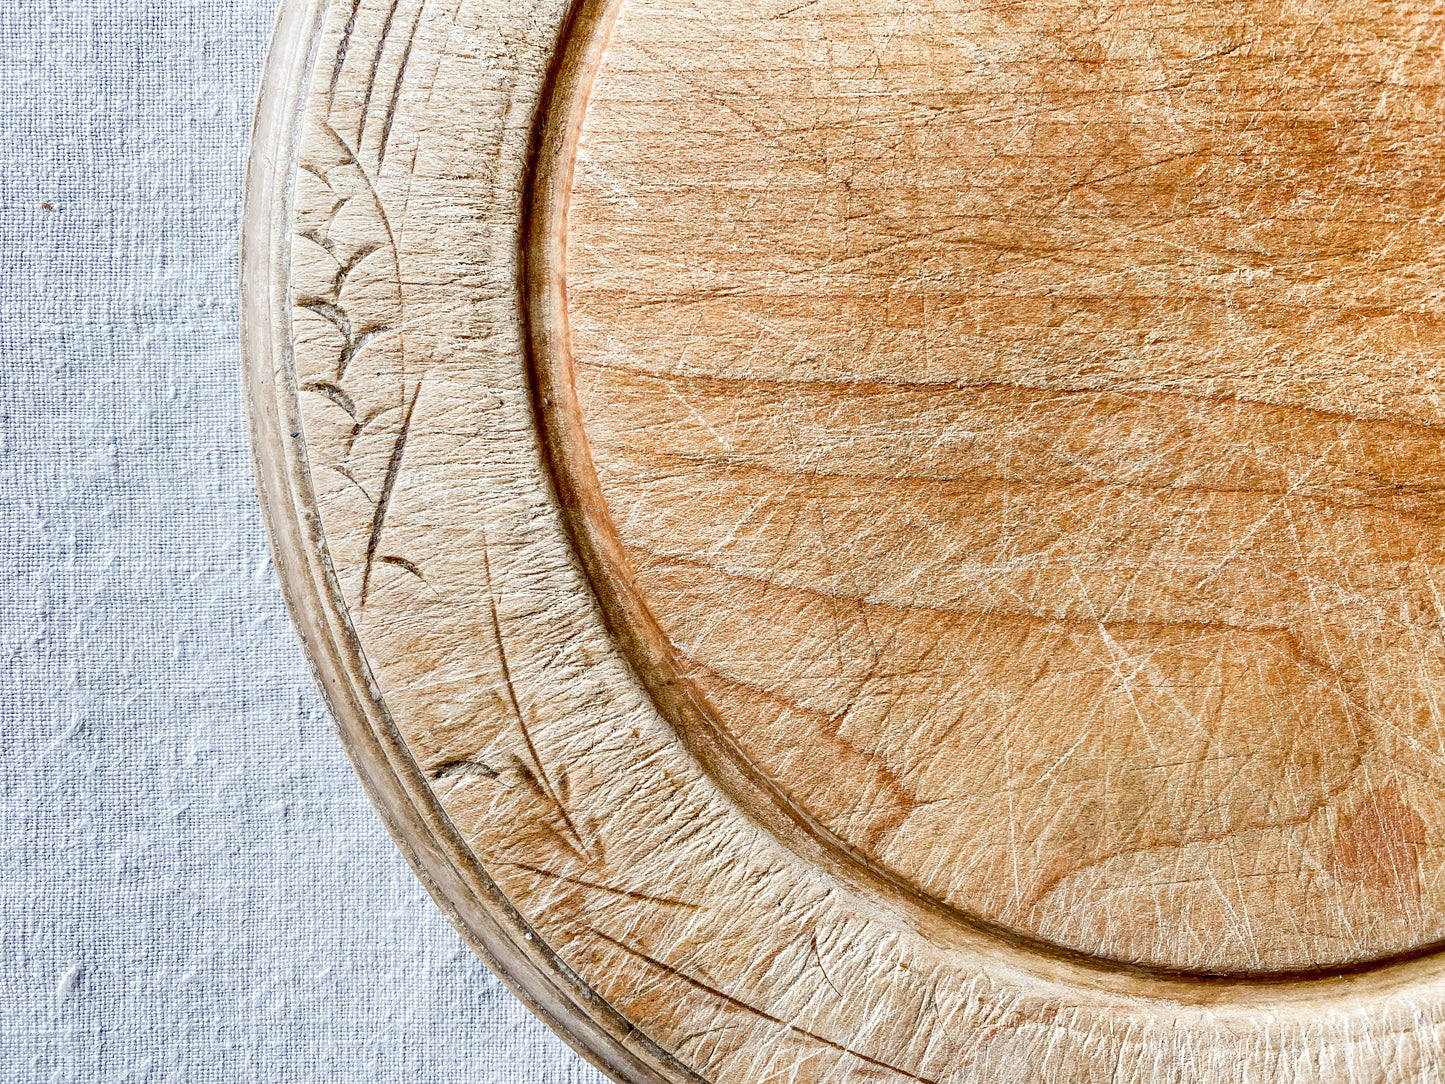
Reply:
x=860 y=541
x=1024 y=422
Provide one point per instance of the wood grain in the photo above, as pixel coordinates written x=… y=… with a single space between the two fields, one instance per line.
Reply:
x=866 y=542
x=1024 y=423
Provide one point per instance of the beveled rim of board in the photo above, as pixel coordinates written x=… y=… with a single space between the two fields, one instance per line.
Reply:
x=473 y=902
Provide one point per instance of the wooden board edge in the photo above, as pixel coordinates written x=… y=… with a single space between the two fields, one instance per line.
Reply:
x=471 y=900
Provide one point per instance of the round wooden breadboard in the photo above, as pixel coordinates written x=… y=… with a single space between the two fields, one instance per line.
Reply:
x=876 y=540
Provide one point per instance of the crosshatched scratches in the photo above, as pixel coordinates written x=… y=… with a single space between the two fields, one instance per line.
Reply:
x=1025 y=424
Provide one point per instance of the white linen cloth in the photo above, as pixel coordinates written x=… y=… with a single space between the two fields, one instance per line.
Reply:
x=193 y=886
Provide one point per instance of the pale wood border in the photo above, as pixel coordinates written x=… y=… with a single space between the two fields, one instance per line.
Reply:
x=471 y=900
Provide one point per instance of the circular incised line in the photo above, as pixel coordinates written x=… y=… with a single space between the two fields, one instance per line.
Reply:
x=583 y=43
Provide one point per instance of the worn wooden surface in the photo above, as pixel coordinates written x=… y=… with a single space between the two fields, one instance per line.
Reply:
x=864 y=541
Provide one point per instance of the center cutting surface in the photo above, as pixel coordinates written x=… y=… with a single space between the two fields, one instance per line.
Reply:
x=1024 y=423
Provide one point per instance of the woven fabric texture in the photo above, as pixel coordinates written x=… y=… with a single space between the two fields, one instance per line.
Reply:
x=193 y=886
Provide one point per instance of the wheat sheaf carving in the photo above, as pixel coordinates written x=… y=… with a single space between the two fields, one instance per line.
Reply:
x=347 y=302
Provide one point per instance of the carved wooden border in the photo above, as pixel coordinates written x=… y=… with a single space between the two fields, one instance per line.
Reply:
x=1008 y=1009
x=393 y=781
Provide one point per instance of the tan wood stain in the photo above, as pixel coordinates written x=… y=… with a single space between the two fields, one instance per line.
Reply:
x=880 y=541
x=1025 y=423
